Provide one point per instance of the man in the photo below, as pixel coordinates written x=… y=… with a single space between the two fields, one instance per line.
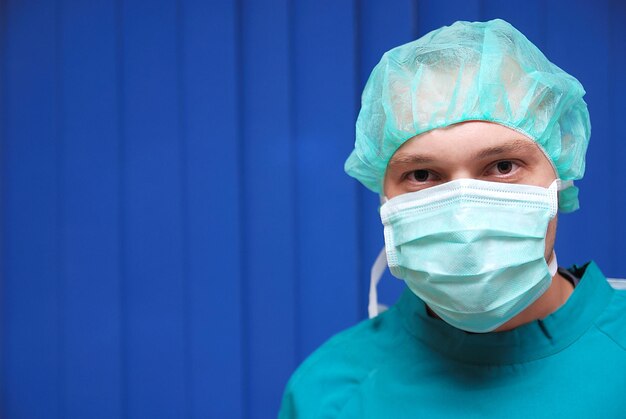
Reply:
x=473 y=138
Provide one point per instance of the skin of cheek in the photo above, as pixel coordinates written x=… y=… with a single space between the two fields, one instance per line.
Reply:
x=550 y=237
x=389 y=189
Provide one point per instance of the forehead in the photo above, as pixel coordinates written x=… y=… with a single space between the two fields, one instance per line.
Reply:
x=468 y=139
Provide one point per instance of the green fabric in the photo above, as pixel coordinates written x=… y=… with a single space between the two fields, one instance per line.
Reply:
x=405 y=364
x=471 y=71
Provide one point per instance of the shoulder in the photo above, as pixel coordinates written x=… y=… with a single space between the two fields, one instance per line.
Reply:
x=326 y=381
x=612 y=322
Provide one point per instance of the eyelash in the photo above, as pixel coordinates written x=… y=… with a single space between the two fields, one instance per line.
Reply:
x=515 y=165
x=408 y=175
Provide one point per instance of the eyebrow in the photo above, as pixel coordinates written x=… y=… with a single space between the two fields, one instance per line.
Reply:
x=401 y=159
x=516 y=145
x=511 y=147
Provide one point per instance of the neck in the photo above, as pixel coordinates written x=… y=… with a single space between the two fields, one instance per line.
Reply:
x=551 y=300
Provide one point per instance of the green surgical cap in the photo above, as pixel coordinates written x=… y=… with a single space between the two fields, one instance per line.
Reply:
x=486 y=71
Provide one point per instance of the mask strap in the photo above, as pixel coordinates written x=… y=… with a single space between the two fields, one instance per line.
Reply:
x=553 y=265
x=378 y=268
x=617 y=283
x=563 y=184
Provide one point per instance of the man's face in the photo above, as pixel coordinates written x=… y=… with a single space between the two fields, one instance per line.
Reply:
x=474 y=149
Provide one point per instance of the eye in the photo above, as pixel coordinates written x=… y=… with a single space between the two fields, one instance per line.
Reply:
x=504 y=167
x=419 y=175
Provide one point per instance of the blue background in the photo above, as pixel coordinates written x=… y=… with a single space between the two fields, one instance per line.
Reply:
x=177 y=230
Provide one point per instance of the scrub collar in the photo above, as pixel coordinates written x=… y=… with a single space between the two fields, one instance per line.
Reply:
x=531 y=341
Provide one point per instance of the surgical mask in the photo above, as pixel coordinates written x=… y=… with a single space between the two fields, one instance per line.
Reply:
x=472 y=250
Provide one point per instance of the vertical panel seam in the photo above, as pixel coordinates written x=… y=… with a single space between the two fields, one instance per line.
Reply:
x=3 y=177
x=184 y=179
x=293 y=158
x=415 y=27
x=543 y=22
x=60 y=208
x=243 y=270
x=123 y=314
x=611 y=85
x=359 y=198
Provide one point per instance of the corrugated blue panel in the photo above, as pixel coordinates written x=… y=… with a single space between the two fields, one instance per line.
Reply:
x=433 y=14
x=154 y=164
x=530 y=19
x=210 y=117
x=617 y=93
x=177 y=230
x=3 y=196
x=578 y=42
x=90 y=186
x=32 y=367
x=324 y=96
x=268 y=181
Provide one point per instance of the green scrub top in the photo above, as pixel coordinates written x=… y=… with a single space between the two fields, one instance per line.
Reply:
x=406 y=364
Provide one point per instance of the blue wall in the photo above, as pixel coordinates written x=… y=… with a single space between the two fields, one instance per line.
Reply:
x=177 y=230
